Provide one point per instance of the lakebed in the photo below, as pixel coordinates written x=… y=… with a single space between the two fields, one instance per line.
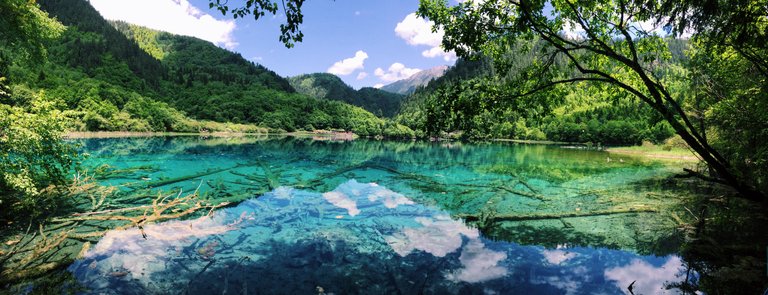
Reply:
x=366 y=216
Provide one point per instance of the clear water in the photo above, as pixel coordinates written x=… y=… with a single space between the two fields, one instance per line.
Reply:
x=378 y=217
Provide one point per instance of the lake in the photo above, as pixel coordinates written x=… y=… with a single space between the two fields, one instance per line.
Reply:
x=388 y=217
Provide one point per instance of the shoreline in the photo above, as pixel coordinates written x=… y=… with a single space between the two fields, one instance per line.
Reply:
x=128 y=134
x=679 y=155
x=654 y=154
x=119 y=134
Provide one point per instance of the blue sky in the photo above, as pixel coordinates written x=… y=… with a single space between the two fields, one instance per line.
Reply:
x=366 y=43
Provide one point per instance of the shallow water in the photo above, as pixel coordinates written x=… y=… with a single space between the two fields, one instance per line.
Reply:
x=379 y=217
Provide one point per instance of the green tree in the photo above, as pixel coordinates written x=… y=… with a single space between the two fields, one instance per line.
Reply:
x=32 y=155
x=601 y=42
x=25 y=28
x=32 y=158
x=738 y=25
x=290 y=32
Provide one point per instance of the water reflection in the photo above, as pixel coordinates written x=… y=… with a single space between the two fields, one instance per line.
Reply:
x=652 y=277
x=478 y=264
x=498 y=178
x=358 y=238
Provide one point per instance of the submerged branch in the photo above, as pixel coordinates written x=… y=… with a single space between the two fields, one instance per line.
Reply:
x=544 y=216
x=160 y=183
x=53 y=246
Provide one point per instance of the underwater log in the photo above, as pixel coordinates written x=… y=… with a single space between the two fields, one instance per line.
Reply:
x=542 y=216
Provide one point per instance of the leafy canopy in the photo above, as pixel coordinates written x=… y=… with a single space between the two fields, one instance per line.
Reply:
x=24 y=27
x=602 y=41
x=289 y=31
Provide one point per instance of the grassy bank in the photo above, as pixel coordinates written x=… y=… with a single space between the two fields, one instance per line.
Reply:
x=656 y=152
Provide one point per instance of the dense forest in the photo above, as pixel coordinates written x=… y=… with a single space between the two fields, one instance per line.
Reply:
x=331 y=87
x=524 y=73
x=115 y=76
x=472 y=101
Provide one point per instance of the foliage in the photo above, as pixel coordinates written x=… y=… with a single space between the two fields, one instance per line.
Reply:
x=32 y=157
x=723 y=25
x=729 y=97
x=148 y=40
x=601 y=42
x=289 y=31
x=578 y=112
x=114 y=76
x=24 y=27
x=329 y=86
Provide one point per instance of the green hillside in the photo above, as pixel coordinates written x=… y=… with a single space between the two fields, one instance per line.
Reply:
x=474 y=100
x=329 y=86
x=119 y=77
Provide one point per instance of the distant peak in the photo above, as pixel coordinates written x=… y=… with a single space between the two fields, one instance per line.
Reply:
x=422 y=78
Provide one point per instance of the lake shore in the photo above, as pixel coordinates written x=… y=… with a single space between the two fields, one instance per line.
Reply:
x=650 y=152
x=318 y=135
x=118 y=134
x=655 y=152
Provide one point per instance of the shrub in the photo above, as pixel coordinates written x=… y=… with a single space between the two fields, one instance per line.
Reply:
x=33 y=157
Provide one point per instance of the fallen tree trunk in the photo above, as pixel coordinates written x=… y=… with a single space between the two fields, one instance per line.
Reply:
x=160 y=183
x=544 y=216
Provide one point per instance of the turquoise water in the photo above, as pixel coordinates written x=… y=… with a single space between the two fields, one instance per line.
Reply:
x=378 y=217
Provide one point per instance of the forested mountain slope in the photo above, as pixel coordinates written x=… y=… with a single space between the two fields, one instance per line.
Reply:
x=116 y=76
x=473 y=99
x=329 y=86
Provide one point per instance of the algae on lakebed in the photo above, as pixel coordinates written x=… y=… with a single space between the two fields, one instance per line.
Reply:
x=636 y=208
x=358 y=238
x=464 y=179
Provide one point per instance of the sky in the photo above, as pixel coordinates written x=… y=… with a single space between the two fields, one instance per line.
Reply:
x=366 y=43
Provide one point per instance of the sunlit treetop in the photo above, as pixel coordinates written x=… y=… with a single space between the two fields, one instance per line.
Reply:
x=24 y=27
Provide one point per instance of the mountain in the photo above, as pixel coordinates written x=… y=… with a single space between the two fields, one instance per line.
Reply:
x=116 y=76
x=472 y=100
x=409 y=85
x=329 y=86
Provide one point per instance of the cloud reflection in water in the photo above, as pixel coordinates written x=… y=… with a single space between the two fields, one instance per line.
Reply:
x=293 y=237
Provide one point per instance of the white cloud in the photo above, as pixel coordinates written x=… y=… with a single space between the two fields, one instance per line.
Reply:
x=437 y=236
x=341 y=200
x=396 y=71
x=557 y=256
x=649 y=27
x=437 y=52
x=379 y=85
x=417 y=31
x=174 y=16
x=362 y=75
x=574 y=31
x=349 y=65
x=648 y=278
x=479 y=264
